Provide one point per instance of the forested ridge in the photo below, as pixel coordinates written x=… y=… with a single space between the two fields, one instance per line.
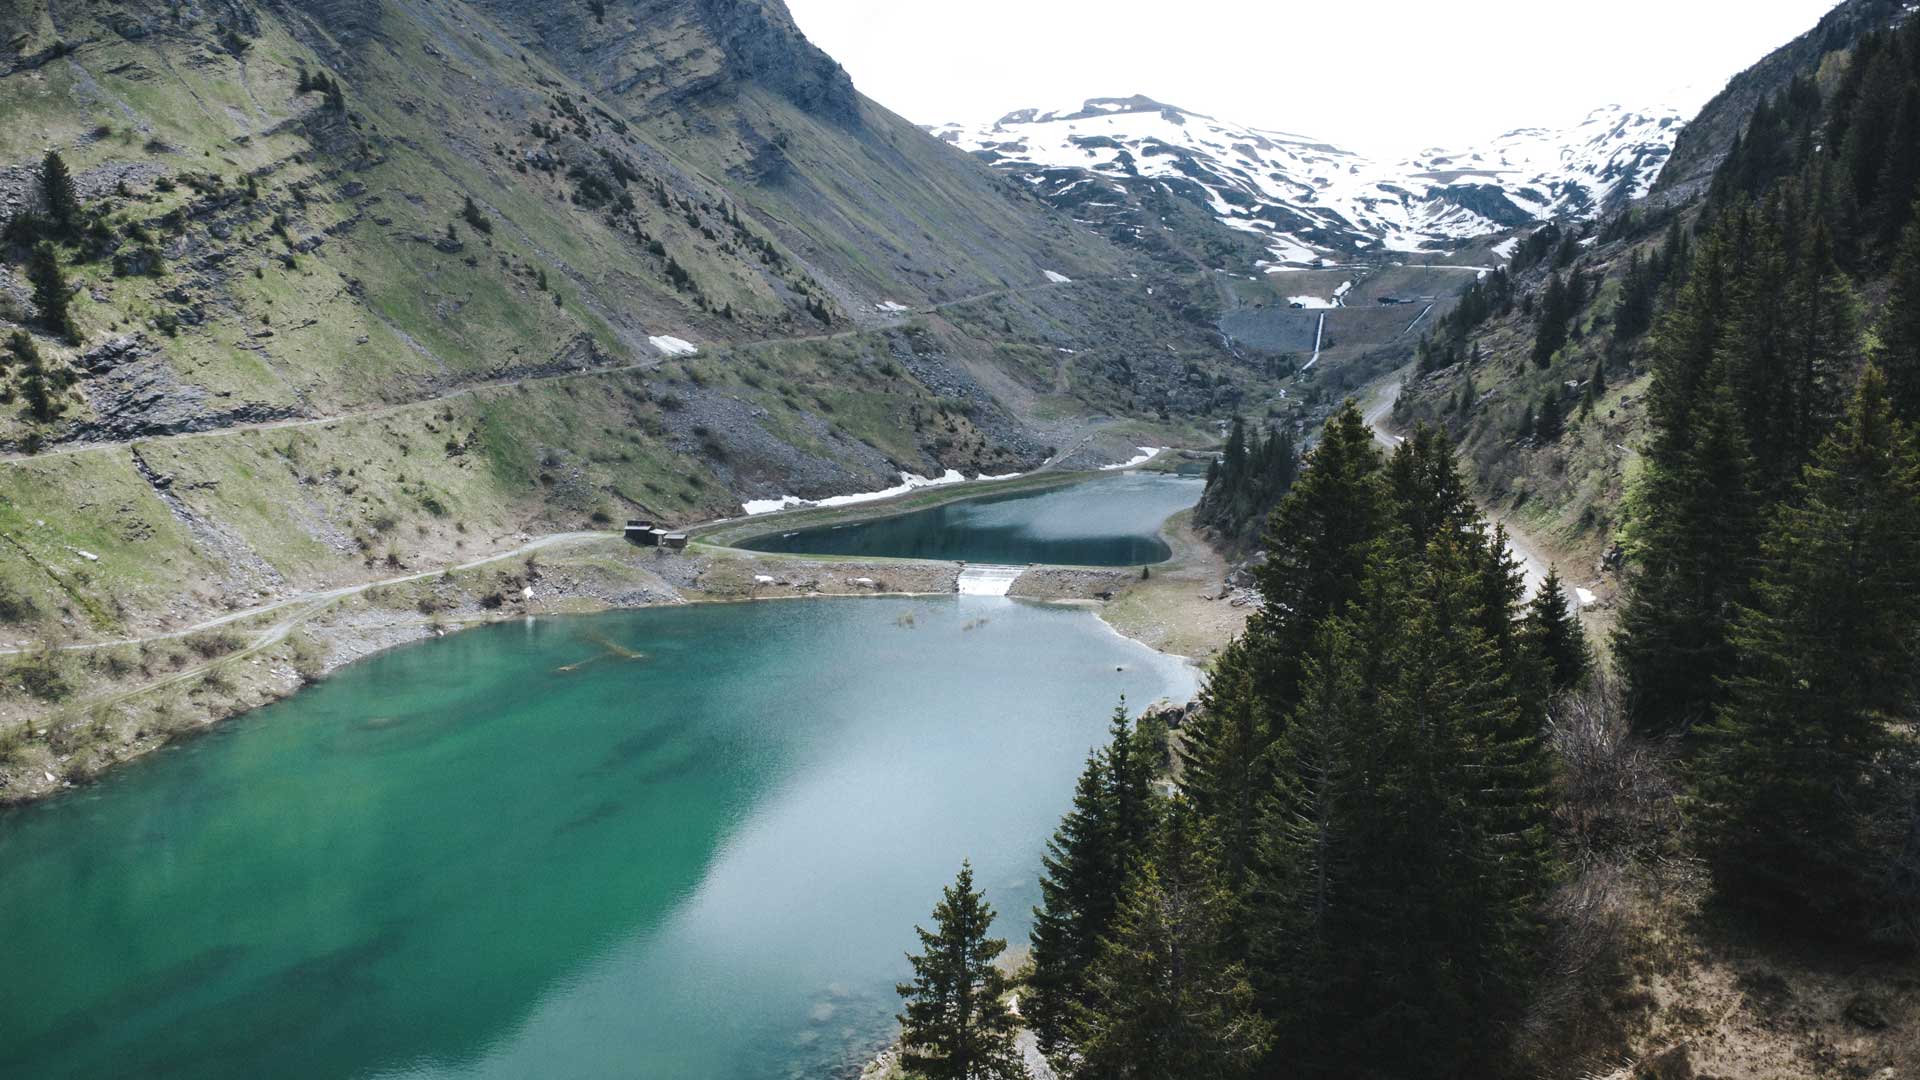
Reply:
x=1386 y=830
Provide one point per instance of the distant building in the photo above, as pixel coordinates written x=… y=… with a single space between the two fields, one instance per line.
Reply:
x=641 y=532
x=674 y=541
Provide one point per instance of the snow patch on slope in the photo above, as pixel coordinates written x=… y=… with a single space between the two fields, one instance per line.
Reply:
x=673 y=346
x=908 y=482
x=1306 y=198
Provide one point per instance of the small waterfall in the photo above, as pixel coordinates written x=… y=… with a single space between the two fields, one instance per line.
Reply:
x=988 y=580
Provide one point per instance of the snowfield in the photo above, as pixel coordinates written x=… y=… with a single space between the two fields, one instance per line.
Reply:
x=1306 y=197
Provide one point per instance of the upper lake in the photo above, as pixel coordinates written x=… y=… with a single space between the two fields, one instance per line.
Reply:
x=1109 y=520
x=679 y=843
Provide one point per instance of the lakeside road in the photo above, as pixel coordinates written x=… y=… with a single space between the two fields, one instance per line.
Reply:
x=806 y=514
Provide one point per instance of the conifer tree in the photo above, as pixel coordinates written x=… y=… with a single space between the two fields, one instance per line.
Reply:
x=1296 y=907
x=1900 y=171
x=1595 y=388
x=1318 y=543
x=1686 y=345
x=1245 y=482
x=1078 y=890
x=1799 y=752
x=1169 y=1002
x=63 y=202
x=1755 y=345
x=50 y=292
x=1692 y=539
x=1429 y=494
x=1690 y=514
x=1087 y=866
x=1448 y=831
x=1557 y=306
x=1554 y=633
x=1899 y=352
x=1130 y=774
x=1824 y=344
x=1224 y=767
x=957 y=1024
x=1633 y=313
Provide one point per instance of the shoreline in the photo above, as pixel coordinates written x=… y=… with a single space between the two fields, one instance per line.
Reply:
x=298 y=641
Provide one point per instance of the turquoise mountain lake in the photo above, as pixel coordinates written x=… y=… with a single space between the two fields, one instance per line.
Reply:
x=458 y=859
x=1105 y=521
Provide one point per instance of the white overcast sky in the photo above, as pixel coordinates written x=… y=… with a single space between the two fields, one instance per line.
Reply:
x=1382 y=77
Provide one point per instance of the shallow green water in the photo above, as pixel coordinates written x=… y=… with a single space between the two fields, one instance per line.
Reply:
x=457 y=860
x=1106 y=521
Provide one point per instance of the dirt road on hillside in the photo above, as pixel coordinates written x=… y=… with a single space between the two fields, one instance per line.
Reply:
x=1377 y=410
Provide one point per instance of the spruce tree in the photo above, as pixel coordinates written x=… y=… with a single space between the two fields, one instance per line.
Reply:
x=1078 y=890
x=1087 y=865
x=1690 y=528
x=1224 y=767
x=957 y=1024
x=1900 y=172
x=1318 y=543
x=1130 y=773
x=1557 y=306
x=1429 y=494
x=1169 y=1001
x=1296 y=906
x=1446 y=827
x=1691 y=542
x=50 y=292
x=1899 y=352
x=1553 y=632
x=1800 y=751
x=1824 y=344
x=1755 y=347
x=63 y=201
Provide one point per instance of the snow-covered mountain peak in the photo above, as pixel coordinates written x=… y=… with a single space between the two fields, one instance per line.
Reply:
x=1308 y=198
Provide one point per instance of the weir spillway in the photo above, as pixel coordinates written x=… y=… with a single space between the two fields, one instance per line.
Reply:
x=988 y=580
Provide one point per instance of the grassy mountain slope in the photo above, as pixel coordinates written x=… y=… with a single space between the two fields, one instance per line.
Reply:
x=1568 y=488
x=416 y=276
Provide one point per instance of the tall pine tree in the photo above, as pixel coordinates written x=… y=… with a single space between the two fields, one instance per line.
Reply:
x=958 y=1024
x=50 y=292
x=1087 y=863
x=1318 y=543
x=63 y=202
x=1169 y=1000
x=1899 y=351
x=1553 y=630
x=1799 y=751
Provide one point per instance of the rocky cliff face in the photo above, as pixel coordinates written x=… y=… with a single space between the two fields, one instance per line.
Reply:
x=664 y=53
